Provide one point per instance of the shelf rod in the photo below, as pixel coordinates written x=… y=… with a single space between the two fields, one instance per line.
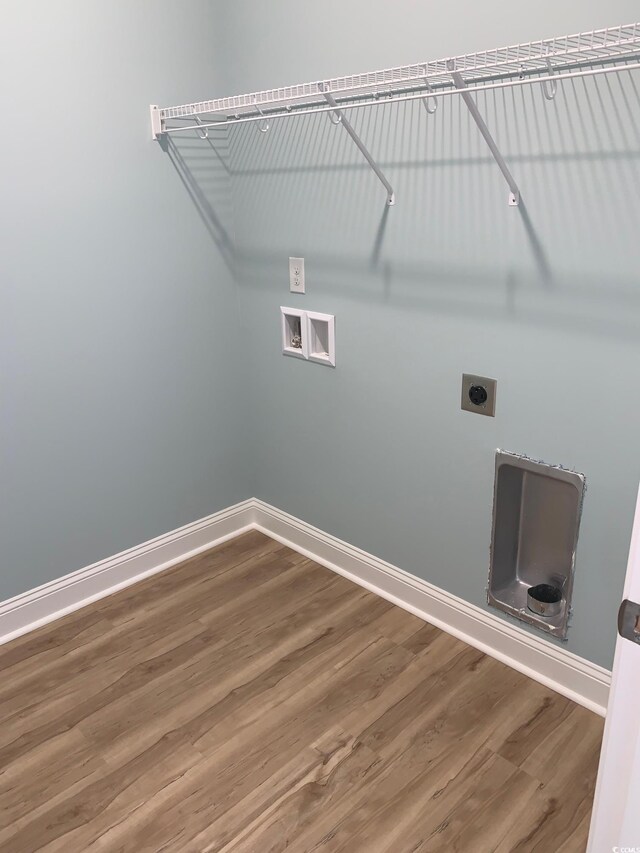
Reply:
x=514 y=198
x=484 y=87
x=343 y=120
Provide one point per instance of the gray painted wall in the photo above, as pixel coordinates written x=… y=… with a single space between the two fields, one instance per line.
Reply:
x=545 y=298
x=137 y=397
x=121 y=415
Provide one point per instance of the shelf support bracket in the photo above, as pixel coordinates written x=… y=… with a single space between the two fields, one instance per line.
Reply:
x=342 y=119
x=156 y=121
x=514 y=195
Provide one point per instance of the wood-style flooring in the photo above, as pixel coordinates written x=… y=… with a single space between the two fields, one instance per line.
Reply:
x=250 y=700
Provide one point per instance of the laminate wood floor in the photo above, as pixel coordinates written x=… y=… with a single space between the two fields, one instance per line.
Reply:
x=251 y=700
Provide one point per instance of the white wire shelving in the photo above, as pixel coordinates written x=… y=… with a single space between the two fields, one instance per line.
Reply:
x=544 y=62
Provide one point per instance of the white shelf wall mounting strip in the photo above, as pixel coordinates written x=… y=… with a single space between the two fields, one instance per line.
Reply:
x=544 y=62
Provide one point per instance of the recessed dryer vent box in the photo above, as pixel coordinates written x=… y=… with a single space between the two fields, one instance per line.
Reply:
x=536 y=519
x=294 y=332
x=321 y=337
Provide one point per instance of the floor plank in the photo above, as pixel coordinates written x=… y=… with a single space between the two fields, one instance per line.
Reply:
x=250 y=700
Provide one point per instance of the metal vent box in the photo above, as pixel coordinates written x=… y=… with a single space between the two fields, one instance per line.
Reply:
x=536 y=519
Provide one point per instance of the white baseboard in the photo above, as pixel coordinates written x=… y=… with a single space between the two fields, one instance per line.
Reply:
x=52 y=600
x=580 y=680
x=568 y=674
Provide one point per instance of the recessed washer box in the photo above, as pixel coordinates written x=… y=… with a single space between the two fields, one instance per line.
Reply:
x=294 y=332
x=321 y=338
x=309 y=335
x=536 y=520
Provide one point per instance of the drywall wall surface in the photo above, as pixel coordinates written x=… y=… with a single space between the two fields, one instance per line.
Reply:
x=545 y=297
x=121 y=412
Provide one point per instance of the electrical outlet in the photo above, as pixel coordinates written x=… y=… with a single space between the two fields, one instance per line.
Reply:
x=479 y=394
x=296 y=275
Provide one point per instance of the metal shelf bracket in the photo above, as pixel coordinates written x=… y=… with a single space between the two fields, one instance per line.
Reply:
x=340 y=118
x=156 y=121
x=514 y=195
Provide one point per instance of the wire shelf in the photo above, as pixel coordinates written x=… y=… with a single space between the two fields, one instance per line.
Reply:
x=577 y=54
x=542 y=62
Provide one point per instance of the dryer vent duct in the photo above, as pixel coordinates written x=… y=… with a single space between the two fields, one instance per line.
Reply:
x=536 y=518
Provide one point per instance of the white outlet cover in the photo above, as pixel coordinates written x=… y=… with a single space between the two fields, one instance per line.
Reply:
x=296 y=275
